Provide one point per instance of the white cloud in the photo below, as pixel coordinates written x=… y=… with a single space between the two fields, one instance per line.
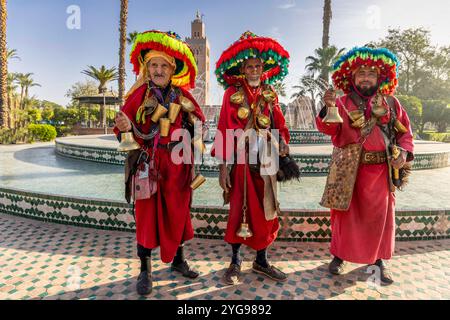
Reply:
x=289 y=5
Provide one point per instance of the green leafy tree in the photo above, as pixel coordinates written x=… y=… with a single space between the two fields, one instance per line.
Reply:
x=438 y=113
x=413 y=107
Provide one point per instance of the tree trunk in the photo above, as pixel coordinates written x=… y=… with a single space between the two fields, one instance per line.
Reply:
x=123 y=41
x=4 y=108
x=327 y=14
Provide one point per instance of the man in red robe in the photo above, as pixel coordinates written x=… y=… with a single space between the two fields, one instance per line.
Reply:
x=365 y=233
x=244 y=104
x=163 y=214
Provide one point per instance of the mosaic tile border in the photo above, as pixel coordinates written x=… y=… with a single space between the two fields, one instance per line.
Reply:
x=208 y=222
x=310 y=164
x=308 y=137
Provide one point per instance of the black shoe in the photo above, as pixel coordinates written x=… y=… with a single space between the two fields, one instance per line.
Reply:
x=185 y=270
x=336 y=266
x=233 y=274
x=270 y=272
x=144 y=283
x=385 y=273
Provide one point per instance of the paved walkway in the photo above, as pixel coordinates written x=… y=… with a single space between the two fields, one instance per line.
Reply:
x=50 y=261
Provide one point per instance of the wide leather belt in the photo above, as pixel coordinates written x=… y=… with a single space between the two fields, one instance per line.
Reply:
x=168 y=146
x=376 y=157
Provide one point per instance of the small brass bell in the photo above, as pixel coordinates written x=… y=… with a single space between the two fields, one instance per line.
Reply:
x=127 y=142
x=244 y=231
x=333 y=115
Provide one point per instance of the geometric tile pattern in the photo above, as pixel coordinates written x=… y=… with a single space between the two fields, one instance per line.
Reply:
x=208 y=222
x=45 y=261
x=308 y=137
x=313 y=164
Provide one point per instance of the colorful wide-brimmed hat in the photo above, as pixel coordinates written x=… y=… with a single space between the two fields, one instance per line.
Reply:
x=249 y=45
x=171 y=44
x=382 y=59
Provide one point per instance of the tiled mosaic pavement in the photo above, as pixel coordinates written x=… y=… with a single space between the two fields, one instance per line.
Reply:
x=49 y=261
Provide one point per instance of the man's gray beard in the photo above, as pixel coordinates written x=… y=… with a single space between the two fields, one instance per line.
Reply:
x=254 y=83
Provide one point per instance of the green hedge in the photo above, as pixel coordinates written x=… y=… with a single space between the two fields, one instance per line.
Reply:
x=41 y=132
x=436 y=136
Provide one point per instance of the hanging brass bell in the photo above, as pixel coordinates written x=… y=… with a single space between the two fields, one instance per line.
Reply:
x=333 y=115
x=244 y=231
x=127 y=142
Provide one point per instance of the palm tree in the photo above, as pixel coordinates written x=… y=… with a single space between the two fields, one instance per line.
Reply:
x=123 y=39
x=103 y=76
x=25 y=82
x=131 y=37
x=4 y=108
x=327 y=14
x=322 y=61
x=11 y=93
x=280 y=88
x=12 y=54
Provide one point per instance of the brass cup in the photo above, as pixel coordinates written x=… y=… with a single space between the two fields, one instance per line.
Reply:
x=263 y=121
x=164 y=126
x=243 y=113
x=399 y=127
x=186 y=104
x=158 y=113
x=237 y=97
x=174 y=110
x=379 y=111
x=355 y=115
x=192 y=119
x=197 y=182
x=269 y=95
x=358 y=123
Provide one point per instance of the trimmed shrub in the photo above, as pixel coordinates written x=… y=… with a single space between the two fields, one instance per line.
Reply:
x=41 y=132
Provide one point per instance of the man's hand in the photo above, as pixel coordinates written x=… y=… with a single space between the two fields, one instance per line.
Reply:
x=400 y=161
x=284 y=148
x=224 y=178
x=122 y=122
x=330 y=98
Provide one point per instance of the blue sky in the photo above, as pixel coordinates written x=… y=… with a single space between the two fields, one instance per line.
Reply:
x=57 y=55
